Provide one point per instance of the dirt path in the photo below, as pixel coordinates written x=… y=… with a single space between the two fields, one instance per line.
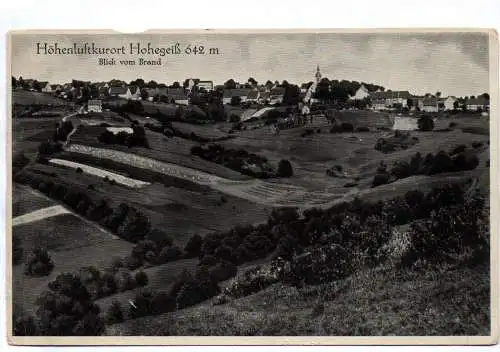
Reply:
x=40 y=214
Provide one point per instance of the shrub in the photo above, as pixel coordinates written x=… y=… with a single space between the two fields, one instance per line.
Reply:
x=161 y=238
x=141 y=278
x=452 y=124
x=114 y=314
x=38 y=263
x=208 y=260
x=24 y=325
x=425 y=123
x=79 y=170
x=381 y=179
x=223 y=271
x=477 y=144
x=285 y=168
x=169 y=254
x=442 y=163
x=124 y=280
x=196 y=289
x=193 y=247
x=132 y=262
x=464 y=161
x=347 y=127
x=458 y=149
x=17 y=250
x=362 y=129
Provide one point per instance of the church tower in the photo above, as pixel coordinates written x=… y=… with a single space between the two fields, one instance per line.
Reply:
x=318 y=75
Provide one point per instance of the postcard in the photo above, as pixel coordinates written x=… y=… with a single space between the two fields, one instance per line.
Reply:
x=253 y=187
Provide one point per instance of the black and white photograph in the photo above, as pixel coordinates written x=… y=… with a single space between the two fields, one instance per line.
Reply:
x=251 y=183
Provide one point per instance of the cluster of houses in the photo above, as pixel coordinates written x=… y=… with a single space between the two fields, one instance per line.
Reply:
x=260 y=94
x=392 y=100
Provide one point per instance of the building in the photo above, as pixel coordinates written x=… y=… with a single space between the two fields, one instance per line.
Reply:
x=431 y=104
x=361 y=93
x=318 y=75
x=45 y=87
x=253 y=96
x=177 y=96
x=94 y=106
x=120 y=92
x=206 y=85
x=449 y=103
x=135 y=92
x=389 y=99
x=416 y=102
x=276 y=95
x=238 y=92
x=479 y=103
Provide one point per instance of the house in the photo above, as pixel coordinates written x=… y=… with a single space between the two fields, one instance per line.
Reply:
x=135 y=92
x=431 y=104
x=479 y=103
x=45 y=86
x=94 y=106
x=178 y=95
x=238 y=92
x=120 y=92
x=449 y=102
x=253 y=96
x=391 y=98
x=206 y=85
x=416 y=102
x=378 y=104
x=361 y=93
x=150 y=93
x=276 y=95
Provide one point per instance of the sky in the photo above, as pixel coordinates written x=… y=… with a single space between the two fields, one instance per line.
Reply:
x=452 y=63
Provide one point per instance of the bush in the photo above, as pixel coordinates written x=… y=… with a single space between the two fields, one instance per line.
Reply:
x=452 y=124
x=362 y=129
x=169 y=254
x=17 y=250
x=193 y=247
x=381 y=179
x=79 y=170
x=347 y=127
x=141 y=278
x=124 y=280
x=114 y=314
x=477 y=144
x=458 y=149
x=223 y=271
x=161 y=238
x=196 y=289
x=425 y=123
x=442 y=163
x=285 y=168
x=38 y=263
x=132 y=262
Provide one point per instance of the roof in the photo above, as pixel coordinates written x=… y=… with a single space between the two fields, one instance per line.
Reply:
x=43 y=83
x=430 y=101
x=477 y=101
x=238 y=92
x=118 y=90
x=54 y=86
x=133 y=89
x=94 y=102
x=205 y=82
x=391 y=95
x=150 y=91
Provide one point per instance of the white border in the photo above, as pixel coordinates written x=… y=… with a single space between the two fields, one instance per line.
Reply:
x=231 y=14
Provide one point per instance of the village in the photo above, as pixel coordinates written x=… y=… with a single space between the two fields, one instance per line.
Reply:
x=352 y=95
x=176 y=208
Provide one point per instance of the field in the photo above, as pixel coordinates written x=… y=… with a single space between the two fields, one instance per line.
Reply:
x=183 y=195
x=71 y=241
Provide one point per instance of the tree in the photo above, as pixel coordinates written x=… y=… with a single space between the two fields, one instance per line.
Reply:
x=252 y=81
x=285 y=168
x=114 y=314
x=21 y=82
x=144 y=94
x=17 y=249
x=230 y=84
x=193 y=247
x=176 y=85
x=456 y=104
x=425 y=123
x=438 y=94
x=38 y=263
x=68 y=310
x=235 y=100
x=141 y=278
x=14 y=82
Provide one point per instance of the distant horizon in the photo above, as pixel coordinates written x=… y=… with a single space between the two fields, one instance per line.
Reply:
x=455 y=64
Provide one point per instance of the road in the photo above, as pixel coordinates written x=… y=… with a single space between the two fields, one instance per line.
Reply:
x=39 y=214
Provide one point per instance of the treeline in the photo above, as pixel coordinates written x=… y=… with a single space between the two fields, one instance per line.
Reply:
x=124 y=220
x=168 y=130
x=458 y=159
x=236 y=159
